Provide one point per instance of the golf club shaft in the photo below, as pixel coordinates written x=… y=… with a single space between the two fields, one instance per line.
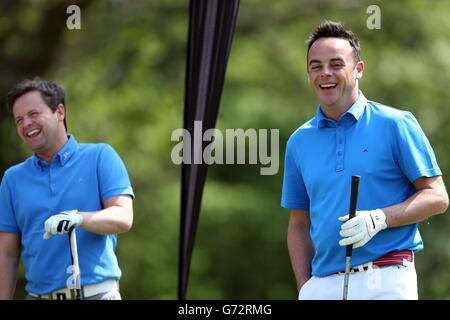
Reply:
x=75 y=263
x=348 y=251
x=346 y=276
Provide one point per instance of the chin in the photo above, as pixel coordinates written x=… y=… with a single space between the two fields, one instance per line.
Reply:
x=326 y=98
x=37 y=147
x=328 y=102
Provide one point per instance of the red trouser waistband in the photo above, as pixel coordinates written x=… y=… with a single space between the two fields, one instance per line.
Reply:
x=394 y=258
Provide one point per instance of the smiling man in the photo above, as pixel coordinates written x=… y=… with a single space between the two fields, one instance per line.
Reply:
x=401 y=182
x=64 y=184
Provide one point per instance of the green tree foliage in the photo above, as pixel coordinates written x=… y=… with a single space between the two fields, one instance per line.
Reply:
x=124 y=77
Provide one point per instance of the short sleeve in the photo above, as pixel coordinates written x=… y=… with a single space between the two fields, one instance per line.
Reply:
x=294 y=194
x=113 y=175
x=8 y=221
x=414 y=153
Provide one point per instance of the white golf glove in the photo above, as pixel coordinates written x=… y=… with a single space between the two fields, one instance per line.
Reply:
x=363 y=227
x=62 y=222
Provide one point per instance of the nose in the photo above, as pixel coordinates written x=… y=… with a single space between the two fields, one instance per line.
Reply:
x=325 y=71
x=26 y=122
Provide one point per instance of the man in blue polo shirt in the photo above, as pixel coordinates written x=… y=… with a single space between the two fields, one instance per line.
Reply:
x=401 y=182
x=63 y=184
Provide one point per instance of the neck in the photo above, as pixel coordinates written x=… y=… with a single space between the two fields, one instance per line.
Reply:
x=51 y=151
x=336 y=110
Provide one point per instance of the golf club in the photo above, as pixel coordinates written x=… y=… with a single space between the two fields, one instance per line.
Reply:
x=348 y=252
x=76 y=267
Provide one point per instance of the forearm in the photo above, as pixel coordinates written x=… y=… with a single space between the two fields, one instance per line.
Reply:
x=112 y=220
x=420 y=206
x=8 y=277
x=301 y=253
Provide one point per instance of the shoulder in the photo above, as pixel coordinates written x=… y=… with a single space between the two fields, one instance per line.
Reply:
x=100 y=153
x=303 y=132
x=389 y=114
x=19 y=169
x=95 y=148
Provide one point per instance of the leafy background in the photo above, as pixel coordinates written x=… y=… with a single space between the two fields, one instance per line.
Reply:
x=124 y=78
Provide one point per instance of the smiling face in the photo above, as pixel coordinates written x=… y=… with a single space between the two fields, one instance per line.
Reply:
x=39 y=128
x=333 y=74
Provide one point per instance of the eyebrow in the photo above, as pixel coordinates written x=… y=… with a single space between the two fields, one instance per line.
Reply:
x=331 y=60
x=32 y=110
x=337 y=60
x=314 y=61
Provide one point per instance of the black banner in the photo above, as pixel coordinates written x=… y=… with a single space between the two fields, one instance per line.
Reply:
x=211 y=27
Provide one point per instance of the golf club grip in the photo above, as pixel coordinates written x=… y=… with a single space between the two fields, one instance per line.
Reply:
x=353 y=202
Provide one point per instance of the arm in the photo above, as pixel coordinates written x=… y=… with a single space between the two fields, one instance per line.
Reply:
x=431 y=198
x=9 y=261
x=300 y=245
x=116 y=217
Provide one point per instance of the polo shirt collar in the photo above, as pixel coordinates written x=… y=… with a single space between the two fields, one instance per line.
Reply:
x=62 y=157
x=355 y=111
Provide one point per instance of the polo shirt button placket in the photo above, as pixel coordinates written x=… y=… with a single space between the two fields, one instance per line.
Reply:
x=51 y=174
x=339 y=148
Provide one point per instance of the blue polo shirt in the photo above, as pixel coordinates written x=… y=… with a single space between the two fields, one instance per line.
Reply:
x=80 y=176
x=383 y=145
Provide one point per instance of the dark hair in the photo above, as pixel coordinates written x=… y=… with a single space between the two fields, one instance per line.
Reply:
x=331 y=29
x=52 y=93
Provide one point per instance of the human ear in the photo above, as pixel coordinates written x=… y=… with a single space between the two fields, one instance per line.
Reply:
x=359 y=69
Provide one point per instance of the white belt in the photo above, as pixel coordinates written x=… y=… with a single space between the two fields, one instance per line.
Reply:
x=86 y=291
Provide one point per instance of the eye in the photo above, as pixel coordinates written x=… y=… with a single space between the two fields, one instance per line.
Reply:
x=19 y=121
x=315 y=67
